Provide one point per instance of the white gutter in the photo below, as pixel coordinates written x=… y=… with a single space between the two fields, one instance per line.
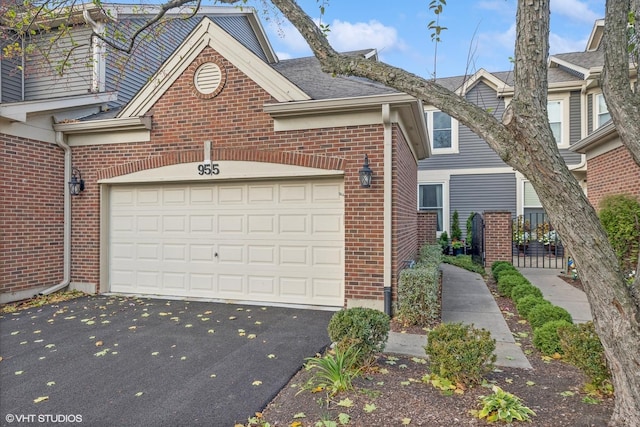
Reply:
x=66 y=277
x=388 y=209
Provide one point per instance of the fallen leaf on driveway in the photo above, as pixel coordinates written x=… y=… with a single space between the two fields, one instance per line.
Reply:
x=99 y=343
x=251 y=336
x=40 y=399
x=271 y=356
x=15 y=332
x=210 y=331
x=256 y=383
x=406 y=421
x=19 y=372
x=138 y=394
x=51 y=383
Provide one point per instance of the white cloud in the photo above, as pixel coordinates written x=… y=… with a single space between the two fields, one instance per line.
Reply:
x=345 y=36
x=559 y=44
x=574 y=9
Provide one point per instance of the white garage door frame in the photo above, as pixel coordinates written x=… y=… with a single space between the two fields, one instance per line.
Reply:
x=261 y=248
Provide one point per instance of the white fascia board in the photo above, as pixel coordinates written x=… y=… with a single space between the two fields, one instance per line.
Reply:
x=407 y=110
x=17 y=111
x=564 y=63
x=600 y=136
x=313 y=106
x=106 y=125
x=207 y=33
x=258 y=30
x=482 y=74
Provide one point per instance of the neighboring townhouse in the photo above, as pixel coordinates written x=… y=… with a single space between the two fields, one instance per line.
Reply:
x=610 y=167
x=206 y=168
x=464 y=174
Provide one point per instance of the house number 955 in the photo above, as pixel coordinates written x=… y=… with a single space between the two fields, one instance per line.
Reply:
x=208 y=169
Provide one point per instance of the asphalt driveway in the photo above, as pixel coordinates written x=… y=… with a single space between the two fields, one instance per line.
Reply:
x=115 y=361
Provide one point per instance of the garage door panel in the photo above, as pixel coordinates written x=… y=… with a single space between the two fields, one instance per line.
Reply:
x=261 y=255
x=294 y=255
x=261 y=223
x=267 y=241
x=201 y=253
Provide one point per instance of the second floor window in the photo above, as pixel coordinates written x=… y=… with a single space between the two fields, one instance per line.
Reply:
x=443 y=132
x=554 y=110
x=602 y=111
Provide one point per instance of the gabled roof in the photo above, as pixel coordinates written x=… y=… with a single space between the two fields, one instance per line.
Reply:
x=209 y=34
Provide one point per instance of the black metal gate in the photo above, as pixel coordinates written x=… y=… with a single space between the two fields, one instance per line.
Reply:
x=477 y=239
x=536 y=243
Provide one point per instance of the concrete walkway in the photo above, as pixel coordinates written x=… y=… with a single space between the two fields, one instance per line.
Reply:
x=560 y=293
x=466 y=299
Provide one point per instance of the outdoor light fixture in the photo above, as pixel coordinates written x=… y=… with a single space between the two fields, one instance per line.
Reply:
x=365 y=173
x=76 y=185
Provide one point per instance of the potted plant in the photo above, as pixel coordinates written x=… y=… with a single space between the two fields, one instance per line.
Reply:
x=457 y=246
x=547 y=236
x=521 y=230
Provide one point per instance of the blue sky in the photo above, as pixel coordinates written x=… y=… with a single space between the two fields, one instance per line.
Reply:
x=482 y=30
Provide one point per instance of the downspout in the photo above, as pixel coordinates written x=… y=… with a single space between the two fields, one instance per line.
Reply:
x=388 y=208
x=66 y=277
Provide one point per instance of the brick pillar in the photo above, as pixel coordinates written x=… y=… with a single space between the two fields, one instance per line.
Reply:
x=427 y=227
x=497 y=237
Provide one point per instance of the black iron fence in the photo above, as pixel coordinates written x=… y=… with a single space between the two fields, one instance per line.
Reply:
x=535 y=242
x=477 y=239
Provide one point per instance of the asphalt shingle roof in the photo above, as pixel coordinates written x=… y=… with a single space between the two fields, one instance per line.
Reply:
x=308 y=76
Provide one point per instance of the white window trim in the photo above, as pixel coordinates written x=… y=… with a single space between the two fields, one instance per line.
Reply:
x=454 y=149
x=565 y=117
x=445 y=203
x=596 y=110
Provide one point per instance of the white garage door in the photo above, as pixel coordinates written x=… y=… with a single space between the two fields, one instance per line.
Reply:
x=262 y=241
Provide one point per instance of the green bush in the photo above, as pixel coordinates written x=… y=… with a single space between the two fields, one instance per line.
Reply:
x=503 y=269
x=620 y=216
x=366 y=329
x=508 y=281
x=456 y=233
x=582 y=348
x=499 y=264
x=430 y=255
x=418 y=291
x=546 y=338
x=543 y=313
x=464 y=261
x=525 y=304
x=460 y=353
x=523 y=290
x=443 y=240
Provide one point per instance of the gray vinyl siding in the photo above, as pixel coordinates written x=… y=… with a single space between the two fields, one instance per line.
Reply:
x=10 y=80
x=42 y=81
x=473 y=151
x=128 y=73
x=575 y=128
x=590 y=113
x=479 y=193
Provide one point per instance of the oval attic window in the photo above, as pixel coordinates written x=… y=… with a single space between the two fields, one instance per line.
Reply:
x=207 y=78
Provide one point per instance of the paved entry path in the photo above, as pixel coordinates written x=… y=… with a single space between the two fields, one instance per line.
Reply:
x=560 y=293
x=466 y=299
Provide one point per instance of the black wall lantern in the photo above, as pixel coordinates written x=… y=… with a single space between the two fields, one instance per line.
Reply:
x=76 y=185
x=365 y=173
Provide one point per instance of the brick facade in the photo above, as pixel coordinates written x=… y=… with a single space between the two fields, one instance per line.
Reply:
x=427 y=228
x=613 y=172
x=497 y=237
x=240 y=130
x=31 y=214
x=405 y=222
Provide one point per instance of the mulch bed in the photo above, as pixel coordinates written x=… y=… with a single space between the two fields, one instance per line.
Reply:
x=392 y=393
